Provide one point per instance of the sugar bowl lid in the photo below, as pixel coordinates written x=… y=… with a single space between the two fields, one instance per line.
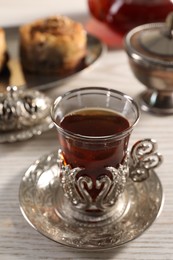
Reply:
x=152 y=44
x=22 y=108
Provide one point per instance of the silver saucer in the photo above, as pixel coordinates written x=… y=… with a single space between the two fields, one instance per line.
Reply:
x=26 y=133
x=40 y=204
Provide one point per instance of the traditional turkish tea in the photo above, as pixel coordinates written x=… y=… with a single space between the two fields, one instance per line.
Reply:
x=88 y=151
x=94 y=125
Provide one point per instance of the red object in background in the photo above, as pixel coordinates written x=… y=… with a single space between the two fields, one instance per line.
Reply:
x=122 y=15
x=104 y=33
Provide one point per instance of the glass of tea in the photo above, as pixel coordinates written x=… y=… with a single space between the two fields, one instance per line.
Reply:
x=94 y=125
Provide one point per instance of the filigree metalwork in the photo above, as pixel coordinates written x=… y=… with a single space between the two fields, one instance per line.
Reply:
x=115 y=187
x=68 y=183
x=143 y=158
x=138 y=165
x=77 y=189
x=21 y=108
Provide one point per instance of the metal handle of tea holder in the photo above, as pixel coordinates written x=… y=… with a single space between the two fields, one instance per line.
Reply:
x=138 y=166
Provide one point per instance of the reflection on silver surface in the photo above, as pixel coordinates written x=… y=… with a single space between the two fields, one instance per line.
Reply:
x=42 y=204
x=16 y=76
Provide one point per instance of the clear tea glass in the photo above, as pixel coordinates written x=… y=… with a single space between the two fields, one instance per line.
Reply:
x=94 y=125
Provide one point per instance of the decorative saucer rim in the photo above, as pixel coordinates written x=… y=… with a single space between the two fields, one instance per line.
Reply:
x=35 y=199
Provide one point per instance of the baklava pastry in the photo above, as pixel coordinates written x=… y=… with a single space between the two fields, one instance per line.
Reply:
x=55 y=45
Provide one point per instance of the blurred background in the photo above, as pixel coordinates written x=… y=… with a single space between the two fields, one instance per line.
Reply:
x=15 y=12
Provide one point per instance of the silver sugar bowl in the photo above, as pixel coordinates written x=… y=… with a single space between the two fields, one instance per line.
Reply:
x=20 y=109
x=150 y=51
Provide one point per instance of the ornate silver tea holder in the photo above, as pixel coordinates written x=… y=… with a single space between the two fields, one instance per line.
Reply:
x=57 y=203
x=150 y=51
x=23 y=114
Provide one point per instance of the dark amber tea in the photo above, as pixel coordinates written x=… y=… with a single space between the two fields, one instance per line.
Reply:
x=89 y=152
x=94 y=122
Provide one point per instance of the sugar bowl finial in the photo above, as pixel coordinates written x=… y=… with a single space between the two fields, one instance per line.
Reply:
x=168 y=28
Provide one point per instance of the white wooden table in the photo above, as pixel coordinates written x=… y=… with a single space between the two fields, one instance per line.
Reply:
x=20 y=241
